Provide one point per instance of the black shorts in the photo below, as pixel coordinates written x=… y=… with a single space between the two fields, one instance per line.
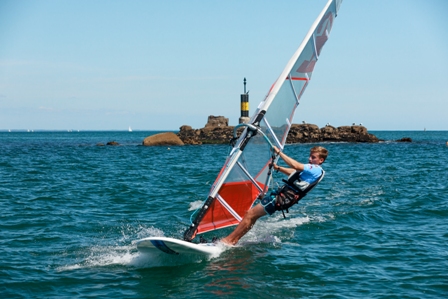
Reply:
x=268 y=203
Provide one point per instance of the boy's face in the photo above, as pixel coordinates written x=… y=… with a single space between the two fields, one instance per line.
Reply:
x=315 y=159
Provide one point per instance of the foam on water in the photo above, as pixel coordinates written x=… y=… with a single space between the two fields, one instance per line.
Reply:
x=195 y=205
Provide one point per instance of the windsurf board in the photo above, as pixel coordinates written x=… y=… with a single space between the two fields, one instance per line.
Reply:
x=177 y=247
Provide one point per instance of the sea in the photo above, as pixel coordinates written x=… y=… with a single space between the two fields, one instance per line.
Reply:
x=72 y=210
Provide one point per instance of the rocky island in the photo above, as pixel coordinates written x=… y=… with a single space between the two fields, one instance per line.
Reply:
x=218 y=131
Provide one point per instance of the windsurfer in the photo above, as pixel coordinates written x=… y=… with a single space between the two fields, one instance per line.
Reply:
x=307 y=174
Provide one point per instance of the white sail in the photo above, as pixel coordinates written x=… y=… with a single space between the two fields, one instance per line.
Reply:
x=246 y=173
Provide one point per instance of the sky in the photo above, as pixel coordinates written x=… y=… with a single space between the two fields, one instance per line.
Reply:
x=158 y=65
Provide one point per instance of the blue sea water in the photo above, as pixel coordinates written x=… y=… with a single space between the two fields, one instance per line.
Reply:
x=71 y=211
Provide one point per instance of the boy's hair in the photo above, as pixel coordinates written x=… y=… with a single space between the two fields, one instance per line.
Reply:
x=322 y=151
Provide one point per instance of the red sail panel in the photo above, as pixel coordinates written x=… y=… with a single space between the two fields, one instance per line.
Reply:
x=235 y=195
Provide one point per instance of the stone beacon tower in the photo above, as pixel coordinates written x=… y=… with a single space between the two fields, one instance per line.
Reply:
x=244 y=106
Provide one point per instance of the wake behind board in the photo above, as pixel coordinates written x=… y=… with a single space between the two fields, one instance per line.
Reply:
x=177 y=247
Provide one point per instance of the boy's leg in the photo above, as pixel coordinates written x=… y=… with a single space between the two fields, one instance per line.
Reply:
x=245 y=225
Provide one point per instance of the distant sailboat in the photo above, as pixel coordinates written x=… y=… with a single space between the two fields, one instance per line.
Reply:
x=130 y=130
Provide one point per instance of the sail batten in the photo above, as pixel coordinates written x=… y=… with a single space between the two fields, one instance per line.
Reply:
x=229 y=208
x=249 y=176
x=271 y=131
x=246 y=174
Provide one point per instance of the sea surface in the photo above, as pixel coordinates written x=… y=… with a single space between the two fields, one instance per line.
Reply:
x=71 y=211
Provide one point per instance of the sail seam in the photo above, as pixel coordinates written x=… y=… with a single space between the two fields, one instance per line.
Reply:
x=294 y=90
x=303 y=89
x=314 y=46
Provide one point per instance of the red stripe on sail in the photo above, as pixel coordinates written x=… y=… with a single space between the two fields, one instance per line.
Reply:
x=298 y=78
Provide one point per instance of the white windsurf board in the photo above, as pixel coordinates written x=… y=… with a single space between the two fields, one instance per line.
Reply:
x=177 y=247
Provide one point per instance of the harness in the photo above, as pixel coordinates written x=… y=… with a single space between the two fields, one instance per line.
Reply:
x=292 y=191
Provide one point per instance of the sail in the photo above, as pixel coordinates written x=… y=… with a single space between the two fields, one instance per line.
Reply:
x=246 y=173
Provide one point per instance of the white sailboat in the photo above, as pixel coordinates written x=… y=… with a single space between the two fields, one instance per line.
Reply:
x=130 y=130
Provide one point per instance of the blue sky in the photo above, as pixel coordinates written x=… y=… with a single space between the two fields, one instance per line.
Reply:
x=157 y=65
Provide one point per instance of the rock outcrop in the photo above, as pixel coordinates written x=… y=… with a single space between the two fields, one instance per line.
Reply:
x=208 y=135
x=168 y=138
x=217 y=121
x=215 y=133
x=307 y=133
x=404 y=139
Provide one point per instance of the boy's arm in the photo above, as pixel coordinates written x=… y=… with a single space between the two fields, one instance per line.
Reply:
x=284 y=170
x=290 y=161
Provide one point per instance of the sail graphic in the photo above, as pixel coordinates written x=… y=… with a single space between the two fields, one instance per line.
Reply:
x=246 y=174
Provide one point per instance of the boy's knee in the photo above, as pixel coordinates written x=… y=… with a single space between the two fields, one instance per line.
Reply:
x=249 y=215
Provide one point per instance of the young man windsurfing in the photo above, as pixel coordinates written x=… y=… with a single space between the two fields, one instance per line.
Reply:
x=302 y=178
